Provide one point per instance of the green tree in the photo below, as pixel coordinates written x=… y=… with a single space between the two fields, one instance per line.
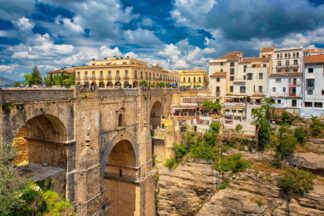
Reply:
x=36 y=77
x=211 y=106
x=300 y=135
x=296 y=182
x=161 y=84
x=28 y=79
x=287 y=143
x=16 y=84
x=285 y=118
x=316 y=126
x=233 y=162
x=262 y=116
x=238 y=128
x=143 y=83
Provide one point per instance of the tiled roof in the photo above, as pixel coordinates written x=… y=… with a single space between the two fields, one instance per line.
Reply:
x=314 y=59
x=235 y=55
x=218 y=74
x=314 y=51
x=62 y=70
x=266 y=49
x=253 y=59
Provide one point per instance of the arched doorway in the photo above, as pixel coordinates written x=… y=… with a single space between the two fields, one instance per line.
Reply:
x=126 y=84
x=110 y=85
x=101 y=85
x=118 y=84
x=119 y=180
x=135 y=84
x=41 y=151
x=156 y=114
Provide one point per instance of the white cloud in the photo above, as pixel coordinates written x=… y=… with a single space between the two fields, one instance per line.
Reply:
x=131 y=55
x=147 y=22
x=24 y=24
x=106 y=52
x=141 y=37
x=7 y=68
x=70 y=24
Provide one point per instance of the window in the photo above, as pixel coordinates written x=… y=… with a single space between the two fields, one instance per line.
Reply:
x=310 y=83
x=308 y=104
x=232 y=71
x=322 y=92
x=293 y=103
x=273 y=89
x=244 y=77
x=217 y=90
x=184 y=79
x=264 y=65
x=277 y=56
x=242 y=89
x=232 y=78
x=283 y=89
x=78 y=74
x=295 y=62
x=245 y=66
x=285 y=55
x=278 y=71
x=249 y=76
x=199 y=79
x=93 y=74
x=217 y=79
x=279 y=63
x=260 y=89
x=120 y=120
x=126 y=73
x=101 y=74
x=194 y=79
x=310 y=70
x=231 y=88
x=221 y=70
x=253 y=65
x=278 y=80
x=260 y=76
x=109 y=74
x=232 y=64
x=318 y=104
x=287 y=62
x=310 y=92
x=189 y=80
x=295 y=70
x=279 y=101
x=222 y=63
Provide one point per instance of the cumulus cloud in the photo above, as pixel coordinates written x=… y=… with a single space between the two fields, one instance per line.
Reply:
x=24 y=24
x=71 y=24
x=246 y=19
x=7 y=68
x=141 y=37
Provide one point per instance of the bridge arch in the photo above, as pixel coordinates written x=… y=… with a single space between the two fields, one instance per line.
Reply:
x=120 y=172
x=156 y=113
x=41 y=141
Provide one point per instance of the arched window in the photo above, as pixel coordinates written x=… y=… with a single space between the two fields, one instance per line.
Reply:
x=120 y=120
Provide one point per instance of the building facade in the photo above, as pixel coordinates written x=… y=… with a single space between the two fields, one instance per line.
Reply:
x=313 y=85
x=122 y=72
x=193 y=78
x=286 y=78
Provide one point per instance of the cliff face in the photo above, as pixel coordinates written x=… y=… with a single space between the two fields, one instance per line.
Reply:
x=191 y=189
x=184 y=190
x=253 y=193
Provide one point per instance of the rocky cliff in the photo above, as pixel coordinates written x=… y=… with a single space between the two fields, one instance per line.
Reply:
x=184 y=190
x=255 y=193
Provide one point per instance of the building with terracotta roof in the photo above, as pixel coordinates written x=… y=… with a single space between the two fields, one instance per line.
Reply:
x=62 y=71
x=313 y=51
x=313 y=86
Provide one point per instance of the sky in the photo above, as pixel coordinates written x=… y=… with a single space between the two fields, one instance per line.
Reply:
x=176 y=34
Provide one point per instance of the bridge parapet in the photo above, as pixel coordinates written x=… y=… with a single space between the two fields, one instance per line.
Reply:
x=37 y=94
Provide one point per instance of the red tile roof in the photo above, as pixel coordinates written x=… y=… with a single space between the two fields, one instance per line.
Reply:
x=266 y=49
x=253 y=59
x=234 y=56
x=218 y=74
x=314 y=59
x=62 y=70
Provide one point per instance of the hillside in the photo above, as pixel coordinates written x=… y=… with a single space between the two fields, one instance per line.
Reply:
x=5 y=81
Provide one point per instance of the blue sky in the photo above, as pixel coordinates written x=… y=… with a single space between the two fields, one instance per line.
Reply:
x=177 y=34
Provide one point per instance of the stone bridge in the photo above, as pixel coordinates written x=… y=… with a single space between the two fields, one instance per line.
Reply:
x=97 y=143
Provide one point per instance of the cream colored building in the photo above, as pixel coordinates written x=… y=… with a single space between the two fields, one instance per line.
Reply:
x=122 y=72
x=193 y=78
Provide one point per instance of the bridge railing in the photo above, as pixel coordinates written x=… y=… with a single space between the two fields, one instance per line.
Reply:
x=35 y=94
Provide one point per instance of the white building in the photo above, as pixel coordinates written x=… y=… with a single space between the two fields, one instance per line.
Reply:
x=313 y=86
x=285 y=81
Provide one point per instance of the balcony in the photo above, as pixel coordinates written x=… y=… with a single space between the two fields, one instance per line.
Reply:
x=287 y=66
x=117 y=78
x=93 y=78
x=126 y=77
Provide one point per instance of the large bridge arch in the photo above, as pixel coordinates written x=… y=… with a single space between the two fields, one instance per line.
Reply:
x=156 y=112
x=120 y=170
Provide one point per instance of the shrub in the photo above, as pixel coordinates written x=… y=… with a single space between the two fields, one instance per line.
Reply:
x=286 y=146
x=170 y=163
x=232 y=162
x=209 y=138
x=215 y=126
x=276 y=163
x=223 y=185
x=203 y=151
x=143 y=83
x=295 y=181
x=316 y=126
x=300 y=135
x=179 y=152
x=285 y=117
x=238 y=128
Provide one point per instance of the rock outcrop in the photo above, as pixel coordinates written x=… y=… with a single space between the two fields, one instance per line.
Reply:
x=184 y=190
x=309 y=160
x=254 y=193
